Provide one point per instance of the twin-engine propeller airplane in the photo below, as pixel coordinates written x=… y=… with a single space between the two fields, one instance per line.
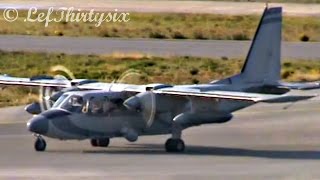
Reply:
x=85 y=109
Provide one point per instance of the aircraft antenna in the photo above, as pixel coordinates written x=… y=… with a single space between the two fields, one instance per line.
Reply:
x=267 y=4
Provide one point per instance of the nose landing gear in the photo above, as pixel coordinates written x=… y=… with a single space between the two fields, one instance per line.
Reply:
x=103 y=142
x=40 y=144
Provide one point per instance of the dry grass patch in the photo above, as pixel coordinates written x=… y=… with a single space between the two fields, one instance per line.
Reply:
x=169 y=26
x=133 y=68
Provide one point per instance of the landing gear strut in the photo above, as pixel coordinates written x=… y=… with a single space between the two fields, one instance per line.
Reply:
x=102 y=142
x=40 y=144
x=175 y=143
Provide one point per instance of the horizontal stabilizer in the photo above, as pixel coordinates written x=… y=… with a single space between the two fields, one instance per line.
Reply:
x=301 y=86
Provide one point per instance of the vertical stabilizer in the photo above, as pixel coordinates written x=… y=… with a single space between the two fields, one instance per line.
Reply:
x=262 y=64
x=263 y=60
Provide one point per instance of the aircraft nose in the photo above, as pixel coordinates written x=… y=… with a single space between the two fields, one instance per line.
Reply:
x=38 y=124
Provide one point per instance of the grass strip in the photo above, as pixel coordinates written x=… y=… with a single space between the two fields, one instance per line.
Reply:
x=167 y=26
x=143 y=68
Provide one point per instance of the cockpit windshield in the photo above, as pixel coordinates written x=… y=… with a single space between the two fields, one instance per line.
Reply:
x=60 y=100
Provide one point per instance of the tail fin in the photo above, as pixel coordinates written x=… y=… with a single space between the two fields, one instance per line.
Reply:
x=262 y=64
x=263 y=60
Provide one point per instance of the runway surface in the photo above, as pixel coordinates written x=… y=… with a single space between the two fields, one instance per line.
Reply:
x=233 y=8
x=204 y=48
x=262 y=142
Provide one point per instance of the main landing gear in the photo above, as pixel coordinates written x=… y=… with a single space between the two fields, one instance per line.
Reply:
x=175 y=143
x=40 y=144
x=102 y=142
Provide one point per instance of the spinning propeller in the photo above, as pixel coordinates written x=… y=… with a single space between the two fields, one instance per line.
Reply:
x=48 y=95
x=146 y=104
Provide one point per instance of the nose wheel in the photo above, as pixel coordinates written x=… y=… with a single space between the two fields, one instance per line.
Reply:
x=40 y=144
x=103 y=142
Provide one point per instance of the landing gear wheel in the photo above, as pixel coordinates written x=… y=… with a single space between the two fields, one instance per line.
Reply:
x=93 y=142
x=40 y=144
x=174 y=145
x=103 y=142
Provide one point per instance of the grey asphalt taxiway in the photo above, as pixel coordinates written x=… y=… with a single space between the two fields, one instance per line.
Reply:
x=102 y=46
x=277 y=141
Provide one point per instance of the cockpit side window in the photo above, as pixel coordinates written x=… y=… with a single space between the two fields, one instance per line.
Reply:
x=108 y=106
x=99 y=106
x=73 y=104
x=96 y=106
x=92 y=106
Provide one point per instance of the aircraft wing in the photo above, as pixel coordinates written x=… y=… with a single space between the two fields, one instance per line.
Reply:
x=233 y=95
x=85 y=84
x=46 y=81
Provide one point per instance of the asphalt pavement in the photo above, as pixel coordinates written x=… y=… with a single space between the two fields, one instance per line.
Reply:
x=278 y=141
x=103 y=46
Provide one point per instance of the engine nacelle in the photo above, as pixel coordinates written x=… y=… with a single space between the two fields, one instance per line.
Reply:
x=130 y=134
x=33 y=108
x=188 y=119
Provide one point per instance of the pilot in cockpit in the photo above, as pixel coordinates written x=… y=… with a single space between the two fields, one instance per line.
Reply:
x=96 y=107
x=76 y=103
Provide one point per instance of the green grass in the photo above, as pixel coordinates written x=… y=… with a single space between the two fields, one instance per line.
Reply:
x=172 y=70
x=169 y=26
